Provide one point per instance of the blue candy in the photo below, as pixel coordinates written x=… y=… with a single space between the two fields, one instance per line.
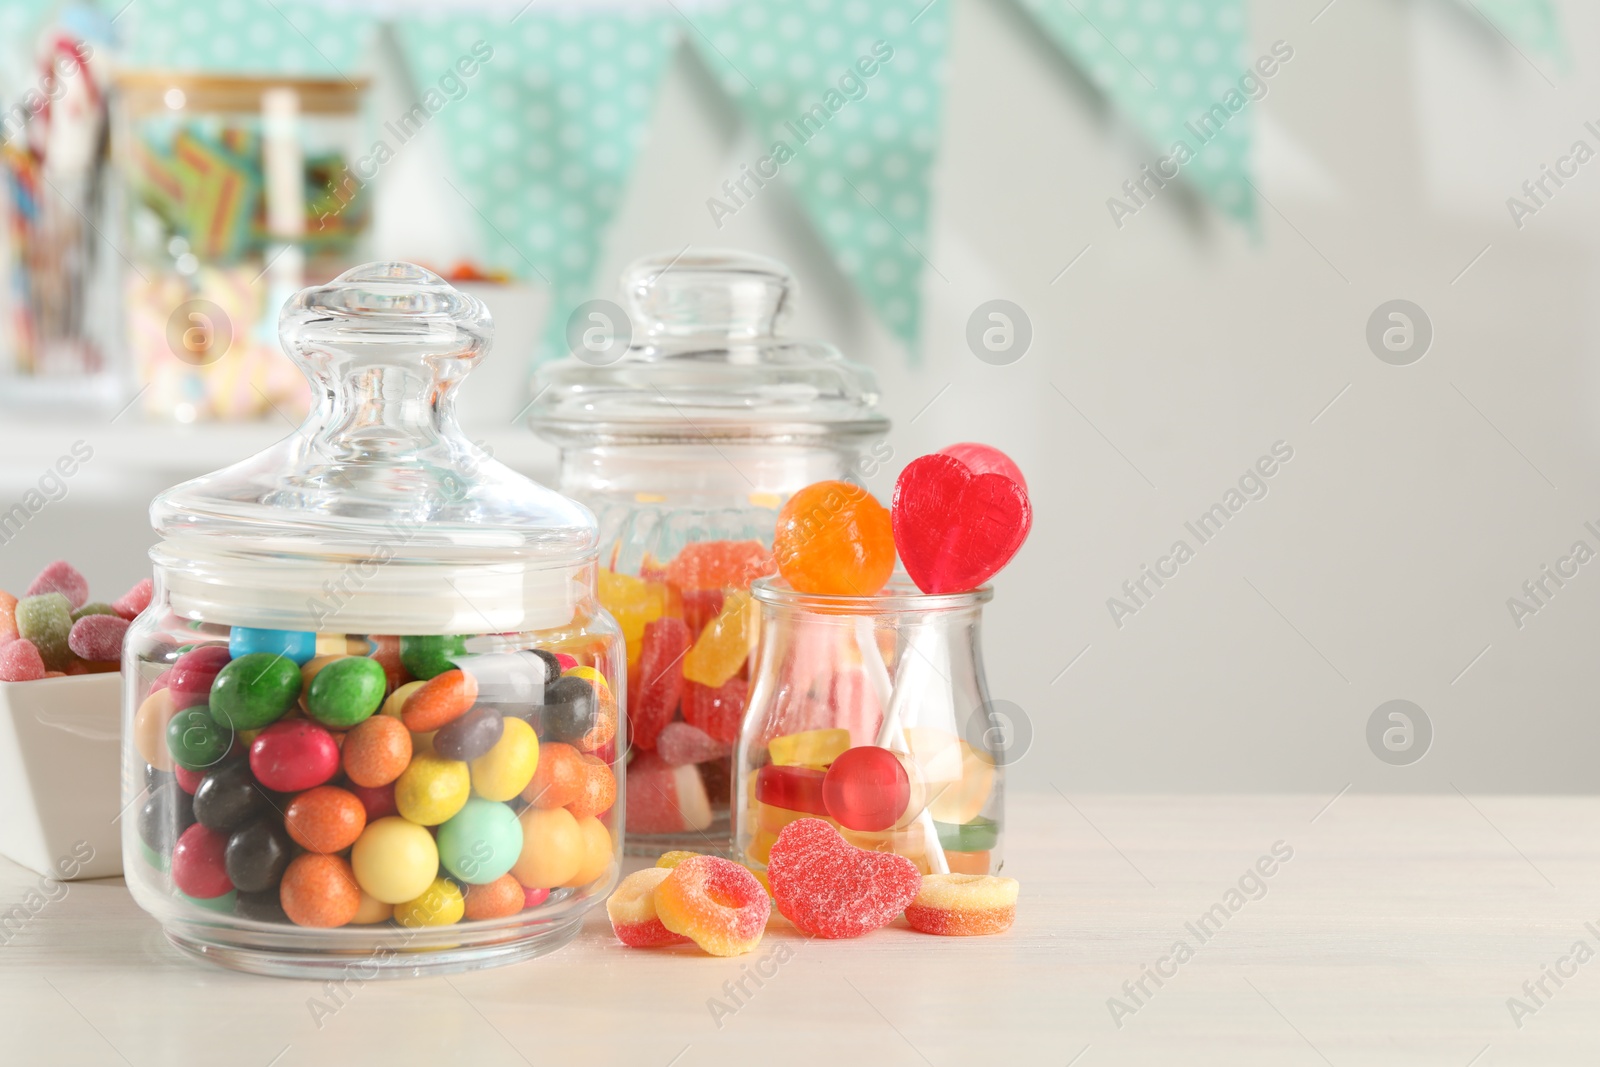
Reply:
x=292 y=644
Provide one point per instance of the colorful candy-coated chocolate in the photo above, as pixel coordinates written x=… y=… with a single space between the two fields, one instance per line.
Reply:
x=261 y=907
x=166 y=813
x=719 y=712
x=394 y=860
x=963 y=905
x=559 y=779
x=394 y=704
x=533 y=896
x=187 y=780
x=46 y=620
x=432 y=790
x=978 y=835
x=227 y=796
x=553 y=848
x=714 y=902
x=255 y=690
x=834 y=538
x=724 y=644
x=376 y=752
x=680 y=743
x=955 y=527
x=325 y=819
x=867 y=788
x=666 y=642
x=196 y=740
x=386 y=651
x=295 y=645
x=599 y=790
x=427 y=656
x=150 y=727
x=829 y=888
x=446 y=697
x=808 y=748
x=199 y=866
x=493 y=900
x=319 y=891
x=193 y=674
x=346 y=691
x=257 y=855
x=470 y=736
x=377 y=801
x=60 y=577
x=20 y=661
x=480 y=842
x=294 y=755
x=663 y=799
x=794 y=788
x=98 y=637
x=507 y=768
x=632 y=911
x=571 y=708
x=598 y=852
x=372 y=910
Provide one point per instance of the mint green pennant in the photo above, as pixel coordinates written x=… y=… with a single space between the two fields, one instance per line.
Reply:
x=856 y=147
x=298 y=37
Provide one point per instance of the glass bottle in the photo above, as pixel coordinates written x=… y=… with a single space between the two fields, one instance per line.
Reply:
x=686 y=444
x=361 y=642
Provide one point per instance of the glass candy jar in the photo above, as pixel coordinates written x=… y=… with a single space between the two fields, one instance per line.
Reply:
x=686 y=445
x=371 y=714
x=873 y=714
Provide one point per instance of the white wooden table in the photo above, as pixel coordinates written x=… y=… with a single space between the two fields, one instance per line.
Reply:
x=1394 y=935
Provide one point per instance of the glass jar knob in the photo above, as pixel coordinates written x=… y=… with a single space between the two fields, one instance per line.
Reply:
x=709 y=294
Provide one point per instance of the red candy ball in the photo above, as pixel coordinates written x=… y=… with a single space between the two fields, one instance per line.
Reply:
x=378 y=800
x=294 y=755
x=188 y=781
x=193 y=674
x=197 y=863
x=532 y=898
x=866 y=788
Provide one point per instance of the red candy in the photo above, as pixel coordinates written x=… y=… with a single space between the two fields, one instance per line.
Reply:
x=720 y=711
x=715 y=903
x=135 y=600
x=532 y=898
x=632 y=911
x=20 y=661
x=681 y=743
x=793 y=788
x=866 y=788
x=567 y=662
x=98 y=638
x=378 y=802
x=719 y=565
x=188 y=780
x=829 y=888
x=294 y=755
x=193 y=674
x=197 y=863
x=954 y=526
x=61 y=577
x=8 y=617
x=666 y=641
x=663 y=799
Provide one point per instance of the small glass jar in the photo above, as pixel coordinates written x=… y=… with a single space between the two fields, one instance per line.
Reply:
x=236 y=192
x=371 y=713
x=686 y=445
x=873 y=714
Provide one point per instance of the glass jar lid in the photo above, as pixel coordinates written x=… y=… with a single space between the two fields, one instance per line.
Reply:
x=706 y=363
x=378 y=478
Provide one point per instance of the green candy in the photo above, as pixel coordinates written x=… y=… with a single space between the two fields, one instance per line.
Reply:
x=428 y=655
x=196 y=739
x=255 y=690
x=154 y=858
x=46 y=620
x=95 y=608
x=346 y=691
x=224 y=903
x=979 y=835
x=480 y=842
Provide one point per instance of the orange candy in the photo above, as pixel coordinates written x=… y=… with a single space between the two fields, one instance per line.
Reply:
x=599 y=790
x=715 y=903
x=325 y=819
x=445 y=698
x=597 y=852
x=719 y=565
x=386 y=650
x=834 y=538
x=963 y=905
x=559 y=779
x=319 y=891
x=376 y=751
x=494 y=900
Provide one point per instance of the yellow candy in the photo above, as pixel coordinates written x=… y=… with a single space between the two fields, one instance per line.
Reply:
x=773 y=819
x=397 y=699
x=675 y=857
x=372 y=910
x=507 y=768
x=590 y=675
x=760 y=849
x=394 y=860
x=150 y=729
x=433 y=789
x=963 y=800
x=723 y=645
x=632 y=602
x=441 y=904
x=553 y=848
x=810 y=748
x=597 y=852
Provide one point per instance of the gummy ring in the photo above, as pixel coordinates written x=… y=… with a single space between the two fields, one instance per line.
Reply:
x=963 y=905
x=714 y=902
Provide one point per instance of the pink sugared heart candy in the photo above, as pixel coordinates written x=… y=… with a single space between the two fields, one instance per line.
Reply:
x=959 y=516
x=829 y=888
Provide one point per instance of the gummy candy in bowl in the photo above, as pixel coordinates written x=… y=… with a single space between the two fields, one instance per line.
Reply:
x=359 y=642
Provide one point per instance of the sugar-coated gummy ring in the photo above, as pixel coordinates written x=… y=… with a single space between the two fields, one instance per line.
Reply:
x=715 y=903
x=632 y=910
x=963 y=905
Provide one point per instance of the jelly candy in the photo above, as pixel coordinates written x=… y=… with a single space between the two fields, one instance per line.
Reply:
x=61 y=577
x=633 y=602
x=553 y=848
x=809 y=748
x=196 y=740
x=666 y=641
x=480 y=842
x=325 y=819
x=599 y=790
x=834 y=538
x=795 y=788
x=94 y=607
x=979 y=835
x=632 y=910
x=254 y=690
x=829 y=888
x=432 y=789
x=257 y=855
x=955 y=527
x=720 y=711
x=193 y=673
x=569 y=711
x=772 y=820
x=719 y=565
x=444 y=698
x=961 y=905
x=867 y=788
x=493 y=900
x=135 y=600
x=468 y=737
x=8 y=617
x=291 y=756
x=346 y=691
x=394 y=860
x=319 y=891
x=20 y=662
x=377 y=751
x=700 y=606
x=296 y=645
x=961 y=801
x=714 y=902
x=597 y=852
x=724 y=644
x=507 y=768
x=680 y=743
x=46 y=620
x=428 y=656
x=98 y=637
x=227 y=796
x=663 y=799
x=199 y=864
x=559 y=779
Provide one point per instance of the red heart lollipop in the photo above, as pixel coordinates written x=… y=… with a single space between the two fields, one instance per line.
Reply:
x=829 y=888
x=959 y=516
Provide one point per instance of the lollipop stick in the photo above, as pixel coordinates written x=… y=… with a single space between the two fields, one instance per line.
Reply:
x=914 y=677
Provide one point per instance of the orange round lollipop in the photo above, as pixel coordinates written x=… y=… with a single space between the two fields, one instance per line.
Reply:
x=834 y=538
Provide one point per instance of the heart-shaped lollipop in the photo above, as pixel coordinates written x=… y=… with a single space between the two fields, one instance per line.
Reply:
x=829 y=888
x=959 y=516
